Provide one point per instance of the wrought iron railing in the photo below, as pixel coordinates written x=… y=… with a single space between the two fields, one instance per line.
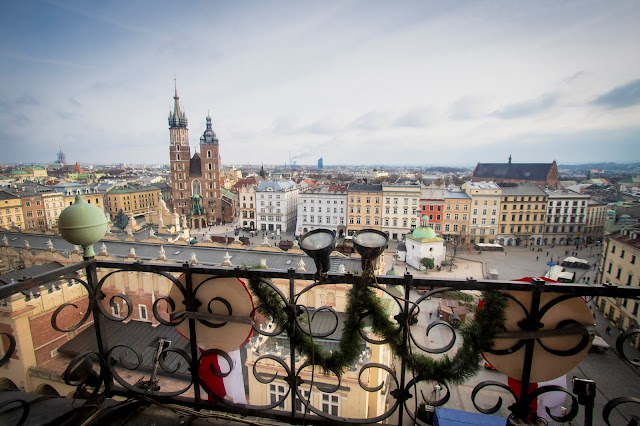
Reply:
x=400 y=392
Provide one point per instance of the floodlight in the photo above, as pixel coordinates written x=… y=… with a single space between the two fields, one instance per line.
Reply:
x=318 y=244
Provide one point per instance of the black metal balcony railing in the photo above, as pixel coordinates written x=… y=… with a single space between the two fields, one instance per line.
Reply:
x=402 y=394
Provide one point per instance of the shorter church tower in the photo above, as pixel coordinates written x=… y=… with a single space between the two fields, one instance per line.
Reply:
x=211 y=167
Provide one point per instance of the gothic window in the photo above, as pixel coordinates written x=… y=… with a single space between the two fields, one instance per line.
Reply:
x=196 y=188
x=178 y=149
x=178 y=156
x=208 y=154
x=209 y=166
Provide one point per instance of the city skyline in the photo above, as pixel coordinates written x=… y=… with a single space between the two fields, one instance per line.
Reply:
x=352 y=82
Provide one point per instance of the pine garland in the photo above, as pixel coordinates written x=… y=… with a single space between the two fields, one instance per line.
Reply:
x=477 y=334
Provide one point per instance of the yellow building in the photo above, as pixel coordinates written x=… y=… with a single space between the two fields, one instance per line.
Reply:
x=10 y=211
x=485 y=206
x=364 y=207
x=620 y=265
x=523 y=210
x=132 y=199
x=350 y=399
x=90 y=194
x=456 y=213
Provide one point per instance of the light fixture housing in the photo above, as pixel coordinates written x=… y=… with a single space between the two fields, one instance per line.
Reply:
x=318 y=245
x=370 y=244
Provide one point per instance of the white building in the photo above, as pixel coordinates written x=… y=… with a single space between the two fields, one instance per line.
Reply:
x=322 y=206
x=399 y=209
x=423 y=242
x=247 y=206
x=276 y=205
x=566 y=217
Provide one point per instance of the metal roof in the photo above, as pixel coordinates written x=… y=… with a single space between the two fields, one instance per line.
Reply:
x=208 y=256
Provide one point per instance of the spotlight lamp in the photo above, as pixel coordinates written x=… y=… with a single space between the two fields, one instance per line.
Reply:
x=318 y=245
x=370 y=244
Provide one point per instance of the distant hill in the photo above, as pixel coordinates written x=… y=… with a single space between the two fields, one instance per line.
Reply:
x=609 y=168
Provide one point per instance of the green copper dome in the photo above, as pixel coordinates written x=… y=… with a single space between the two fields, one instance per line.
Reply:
x=423 y=232
x=392 y=272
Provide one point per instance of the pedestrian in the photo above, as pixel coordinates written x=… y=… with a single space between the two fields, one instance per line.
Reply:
x=608 y=330
x=547 y=253
x=537 y=257
x=505 y=252
x=430 y=315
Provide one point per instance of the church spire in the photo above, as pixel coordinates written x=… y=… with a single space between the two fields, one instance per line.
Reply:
x=177 y=117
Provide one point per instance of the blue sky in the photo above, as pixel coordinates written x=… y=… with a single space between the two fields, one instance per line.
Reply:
x=355 y=82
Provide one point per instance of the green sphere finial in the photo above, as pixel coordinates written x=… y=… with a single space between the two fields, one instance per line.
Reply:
x=82 y=224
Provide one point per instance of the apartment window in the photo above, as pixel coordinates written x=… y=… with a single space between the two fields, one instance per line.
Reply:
x=633 y=259
x=351 y=220
x=475 y=212
x=474 y=221
x=446 y=228
x=448 y=216
x=277 y=393
x=629 y=279
x=386 y=222
x=621 y=254
x=455 y=228
x=613 y=249
x=300 y=407
x=368 y=200
x=619 y=273
x=635 y=309
x=143 y=312
x=456 y=216
x=357 y=220
x=330 y=404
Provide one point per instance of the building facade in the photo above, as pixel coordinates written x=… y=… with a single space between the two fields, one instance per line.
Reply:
x=53 y=206
x=432 y=204
x=620 y=265
x=523 y=210
x=566 y=217
x=364 y=207
x=247 y=206
x=400 y=209
x=322 y=206
x=10 y=211
x=195 y=181
x=456 y=214
x=485 y=208
x=132 y=199
x=596 y=216
x=276 y=205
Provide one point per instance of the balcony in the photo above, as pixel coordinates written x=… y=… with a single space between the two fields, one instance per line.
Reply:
x=148 y=363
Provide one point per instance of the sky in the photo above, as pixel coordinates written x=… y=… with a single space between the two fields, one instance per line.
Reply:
x=355 y=82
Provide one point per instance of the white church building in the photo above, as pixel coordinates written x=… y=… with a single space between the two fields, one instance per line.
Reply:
x=423 y=242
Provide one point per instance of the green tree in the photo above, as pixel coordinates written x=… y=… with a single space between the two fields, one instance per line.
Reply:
x=427 y=262
x=121 y=220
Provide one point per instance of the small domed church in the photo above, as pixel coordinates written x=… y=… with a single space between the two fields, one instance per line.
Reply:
x=423 y=242
x=196 y=181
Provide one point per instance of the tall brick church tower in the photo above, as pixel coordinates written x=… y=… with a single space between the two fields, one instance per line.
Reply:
x=195 y=181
